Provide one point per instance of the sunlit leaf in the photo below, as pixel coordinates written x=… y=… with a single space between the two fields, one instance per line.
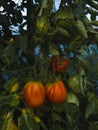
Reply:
x=72 y=98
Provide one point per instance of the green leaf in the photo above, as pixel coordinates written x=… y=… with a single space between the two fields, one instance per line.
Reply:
x=89 y=109
x=63 y=14
x=63 y=32
x=21 y=124
x=88 y=25
x=93 y=17
x=48 y=10
x=80 y=28
x=92 y=98
x=65 y=24
x=72 y=98
x=79 y=9
x=96 y=106
x=84 y=63
x=58 y=107
x=44 y=6
x=14 y=101
x=28 y=120
x=10 y=51
x=7 y=121
x=96 y=37
x=53 y=51
x=95 y=22
x=21 y=42
x=55 y=116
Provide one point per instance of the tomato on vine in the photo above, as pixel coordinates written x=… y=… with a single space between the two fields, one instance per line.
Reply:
x=59 y=63
x=34 y=94
x=56 y=92
x=74 y=83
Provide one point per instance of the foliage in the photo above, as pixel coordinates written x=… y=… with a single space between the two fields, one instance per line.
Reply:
x=66 y=32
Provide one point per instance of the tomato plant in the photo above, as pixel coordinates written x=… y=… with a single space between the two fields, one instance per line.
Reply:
x=59 y=63
x=66 y=34
x=34 y=94
x=56 y=92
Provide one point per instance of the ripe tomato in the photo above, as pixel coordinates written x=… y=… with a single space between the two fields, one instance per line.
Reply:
x=34 y=94
x=74 y=83
x=56 y=92
x=59 y=64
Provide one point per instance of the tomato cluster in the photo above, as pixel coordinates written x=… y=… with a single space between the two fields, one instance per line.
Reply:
x=34 y=93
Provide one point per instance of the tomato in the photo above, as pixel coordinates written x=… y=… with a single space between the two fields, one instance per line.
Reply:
x=59 y=63
x=74 y=83
x=34 y=94
x=56 y=92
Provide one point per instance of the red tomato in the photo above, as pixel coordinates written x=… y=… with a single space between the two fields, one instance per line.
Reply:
x=34 y=94
x=56 y=92
x=59 y=64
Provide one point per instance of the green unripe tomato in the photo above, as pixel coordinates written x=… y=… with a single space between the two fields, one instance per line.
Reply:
x=74 y=83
